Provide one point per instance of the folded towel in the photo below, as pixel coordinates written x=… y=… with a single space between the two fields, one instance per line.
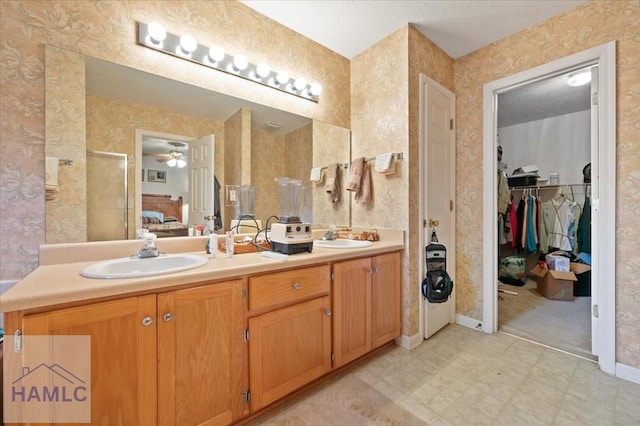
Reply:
x=364 y=194
x=51 y=172
x=384 y=164
x=332 y=182
x=355 y=175
x=316 y=175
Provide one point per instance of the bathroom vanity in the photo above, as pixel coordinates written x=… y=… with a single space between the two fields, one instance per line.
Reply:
x=218 y=343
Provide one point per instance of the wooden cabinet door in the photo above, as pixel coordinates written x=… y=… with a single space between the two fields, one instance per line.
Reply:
x=123 y=355
x=201 y=355
x=288 y=348
x=385 y=298
x=351 y=310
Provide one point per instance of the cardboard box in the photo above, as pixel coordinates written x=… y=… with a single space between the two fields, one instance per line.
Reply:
x=557 y=285
x=582 y=287
x=557 y=263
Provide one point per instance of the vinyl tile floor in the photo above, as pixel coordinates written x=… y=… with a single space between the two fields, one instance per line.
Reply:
x=464 y=377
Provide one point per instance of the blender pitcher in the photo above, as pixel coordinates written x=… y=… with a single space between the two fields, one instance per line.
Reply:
x=289 y=203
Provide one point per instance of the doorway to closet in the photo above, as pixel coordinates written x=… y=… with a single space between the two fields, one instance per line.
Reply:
x=602 y=156
x=544 y=153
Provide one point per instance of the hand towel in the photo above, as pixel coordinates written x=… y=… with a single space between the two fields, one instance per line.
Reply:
x=316 y=175
x=332 y=182
x=355 y=175
x=364 y=194
x=384 y=164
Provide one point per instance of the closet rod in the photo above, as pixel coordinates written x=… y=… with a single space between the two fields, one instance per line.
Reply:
x=569 y=185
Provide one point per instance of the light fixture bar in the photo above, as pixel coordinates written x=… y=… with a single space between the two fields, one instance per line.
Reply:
x=155 y=37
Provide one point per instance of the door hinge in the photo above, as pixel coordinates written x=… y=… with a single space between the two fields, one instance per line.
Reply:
x=246 y=335
x=595 y=311
x=246 y=396
x=451 y=124
x=244 y=294
x=424 y=223
x=450 y=205
x=331 y=275
x=17 y=342
x=333 y=357
x=594 y=98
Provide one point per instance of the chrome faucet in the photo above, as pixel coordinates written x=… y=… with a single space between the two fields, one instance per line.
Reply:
x=331 y=234
x=149 y=247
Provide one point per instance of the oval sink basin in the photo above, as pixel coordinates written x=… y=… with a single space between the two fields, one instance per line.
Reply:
x=342 y=243
x=143 y=267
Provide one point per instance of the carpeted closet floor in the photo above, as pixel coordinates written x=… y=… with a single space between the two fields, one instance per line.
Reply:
x=561 y=324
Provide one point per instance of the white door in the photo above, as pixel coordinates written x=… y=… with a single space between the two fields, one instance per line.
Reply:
x=595 y=327
x=201 y=180
x=439 y=175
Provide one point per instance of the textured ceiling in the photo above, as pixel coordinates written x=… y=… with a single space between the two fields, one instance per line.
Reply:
x=458 y=27
x=546 y=98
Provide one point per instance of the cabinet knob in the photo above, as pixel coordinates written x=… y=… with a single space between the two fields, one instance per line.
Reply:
x=328 y=312
x=371 y=271
x=296 y=286
x=146 y=321
x=167 y=317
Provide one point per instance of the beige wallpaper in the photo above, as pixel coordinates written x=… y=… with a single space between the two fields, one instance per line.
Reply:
x=583 y=27
x=234 y=149
x=332 y=144
x=66 y=218
x=298 y=155
x=107 y=30
x=111 y=126
x=268 y=151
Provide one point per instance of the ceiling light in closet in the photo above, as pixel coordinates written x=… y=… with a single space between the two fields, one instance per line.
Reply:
x=579 y=78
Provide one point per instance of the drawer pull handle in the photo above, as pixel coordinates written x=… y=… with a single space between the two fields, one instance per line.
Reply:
x=296 y=286
x=146 y=321
x=167 y=317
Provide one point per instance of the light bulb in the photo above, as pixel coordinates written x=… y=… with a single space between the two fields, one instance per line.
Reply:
x=579 y=78
x=172 y=162
x=216 y=53
x=300 y=83
x=181 y=163
x=240 y=62
x=157 y=33
x=262 y=71
x=282 y=78
x=315 y=89
x=188 y=44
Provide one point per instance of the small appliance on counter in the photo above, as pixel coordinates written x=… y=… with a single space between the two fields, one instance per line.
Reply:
x=245 y=221
x=289 y=235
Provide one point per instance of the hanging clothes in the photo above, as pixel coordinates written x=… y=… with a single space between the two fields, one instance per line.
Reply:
x=531 y=243
x=513 y=222
x=503 y=193
x=584 y=227
x=563 y=234
x=517 y=242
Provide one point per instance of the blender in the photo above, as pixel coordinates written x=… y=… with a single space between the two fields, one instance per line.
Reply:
x=245 y=221
x=289 y=235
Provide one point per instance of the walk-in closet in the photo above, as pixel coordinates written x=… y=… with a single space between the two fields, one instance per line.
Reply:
x=544 y=224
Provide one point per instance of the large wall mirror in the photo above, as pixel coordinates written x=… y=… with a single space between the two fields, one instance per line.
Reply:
x=128 y=133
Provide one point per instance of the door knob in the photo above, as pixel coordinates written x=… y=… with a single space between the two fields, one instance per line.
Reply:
x=167 y=317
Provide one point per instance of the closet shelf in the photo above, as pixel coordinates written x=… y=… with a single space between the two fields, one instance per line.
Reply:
x=568 y=185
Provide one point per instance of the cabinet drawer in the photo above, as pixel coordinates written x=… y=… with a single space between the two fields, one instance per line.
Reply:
x=289 y=286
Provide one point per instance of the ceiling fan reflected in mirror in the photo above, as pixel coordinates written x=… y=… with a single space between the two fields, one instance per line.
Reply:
x=174 y=158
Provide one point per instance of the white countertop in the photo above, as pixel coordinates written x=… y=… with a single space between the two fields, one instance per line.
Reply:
x=59 y=283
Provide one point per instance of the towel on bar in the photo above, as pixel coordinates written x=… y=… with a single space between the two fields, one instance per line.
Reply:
x=316 y=175
x=384 y=164
x=355 y=175
x=332 y=182
x=364 y=194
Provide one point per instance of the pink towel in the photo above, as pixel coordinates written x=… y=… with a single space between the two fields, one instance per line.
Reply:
x=364 y=194
x=332 y=182
x=355 y=175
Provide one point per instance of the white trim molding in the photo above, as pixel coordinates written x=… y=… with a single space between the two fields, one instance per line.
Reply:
x=603 y=193
x=409 y=342
x=469 y=322
x=627 y=372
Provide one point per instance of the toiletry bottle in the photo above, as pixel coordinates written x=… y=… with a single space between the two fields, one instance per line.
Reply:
x=229 y=243
x=212 y=246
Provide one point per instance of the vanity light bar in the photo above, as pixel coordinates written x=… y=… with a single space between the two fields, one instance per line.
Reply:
x=154 y=36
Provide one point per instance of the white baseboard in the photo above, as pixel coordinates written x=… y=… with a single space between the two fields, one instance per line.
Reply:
x=469 y=322
x=627 y=372
x=409 y=342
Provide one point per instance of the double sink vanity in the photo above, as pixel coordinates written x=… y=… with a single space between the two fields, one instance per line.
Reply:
x=210 y=340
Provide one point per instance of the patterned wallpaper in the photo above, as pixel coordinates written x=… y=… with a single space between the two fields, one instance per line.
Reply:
x=234 y=149
x=586 y=26
x=332 y=144
x=107 y=30
x=267 y=159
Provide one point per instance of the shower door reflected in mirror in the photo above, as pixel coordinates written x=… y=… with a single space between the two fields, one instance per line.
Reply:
x=107 y=205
